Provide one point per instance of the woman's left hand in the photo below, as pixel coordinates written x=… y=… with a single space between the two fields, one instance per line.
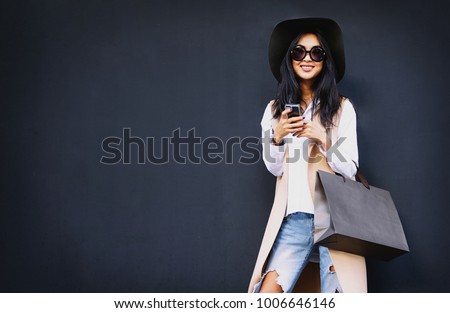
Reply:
x=313 y=131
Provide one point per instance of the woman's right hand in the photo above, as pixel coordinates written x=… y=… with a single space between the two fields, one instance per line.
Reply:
x=287 y=125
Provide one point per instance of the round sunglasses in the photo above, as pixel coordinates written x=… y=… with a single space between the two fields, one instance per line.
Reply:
x=316 y=53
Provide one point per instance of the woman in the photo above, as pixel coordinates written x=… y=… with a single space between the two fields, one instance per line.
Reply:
x=307 y=58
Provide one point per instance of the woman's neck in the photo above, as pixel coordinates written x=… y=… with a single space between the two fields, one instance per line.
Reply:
x=307 y=92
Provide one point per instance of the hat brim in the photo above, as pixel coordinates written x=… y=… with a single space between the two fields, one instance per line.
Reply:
x=285 y=31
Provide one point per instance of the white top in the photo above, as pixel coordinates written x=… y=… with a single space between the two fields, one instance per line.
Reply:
x=341 y=156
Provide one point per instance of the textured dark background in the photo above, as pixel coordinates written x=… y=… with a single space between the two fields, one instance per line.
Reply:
x=75 y=72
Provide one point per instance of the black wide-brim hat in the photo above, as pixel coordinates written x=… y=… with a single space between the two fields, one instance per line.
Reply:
x=286 y=31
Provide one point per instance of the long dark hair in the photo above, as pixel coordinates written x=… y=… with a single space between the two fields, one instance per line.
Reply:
x=325 y=90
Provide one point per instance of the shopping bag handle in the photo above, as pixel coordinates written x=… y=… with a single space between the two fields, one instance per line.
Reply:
x=359 y=176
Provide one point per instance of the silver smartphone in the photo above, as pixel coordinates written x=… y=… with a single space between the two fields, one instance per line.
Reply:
x=295 y=109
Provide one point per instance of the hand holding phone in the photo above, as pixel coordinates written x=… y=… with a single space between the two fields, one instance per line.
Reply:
x=286 y=127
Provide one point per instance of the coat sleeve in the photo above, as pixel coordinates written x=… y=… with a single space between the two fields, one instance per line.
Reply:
x=343 y=154
x=272 y=155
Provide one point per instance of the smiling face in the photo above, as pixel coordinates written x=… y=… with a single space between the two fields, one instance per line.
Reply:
x=307 y=69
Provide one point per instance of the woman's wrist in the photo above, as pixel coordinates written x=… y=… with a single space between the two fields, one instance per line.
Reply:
x=277 y=141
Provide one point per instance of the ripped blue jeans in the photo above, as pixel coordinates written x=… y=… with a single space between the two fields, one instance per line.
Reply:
x=293 y=248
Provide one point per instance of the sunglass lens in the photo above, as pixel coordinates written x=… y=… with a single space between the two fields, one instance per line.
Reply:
x=317 y=54
x=298 y=53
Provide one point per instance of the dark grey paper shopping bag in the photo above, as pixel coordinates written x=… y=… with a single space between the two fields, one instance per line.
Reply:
x=357 y=219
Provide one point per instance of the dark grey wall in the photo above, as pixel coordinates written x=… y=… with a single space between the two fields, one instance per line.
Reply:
x=76 y=72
